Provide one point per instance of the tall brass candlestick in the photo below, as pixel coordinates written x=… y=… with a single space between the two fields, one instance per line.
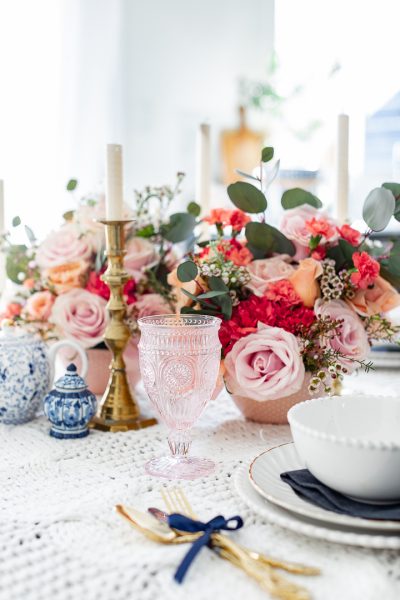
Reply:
x=118 y=409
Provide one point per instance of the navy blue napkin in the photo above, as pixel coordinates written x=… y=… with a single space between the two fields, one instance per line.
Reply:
x=312 y=490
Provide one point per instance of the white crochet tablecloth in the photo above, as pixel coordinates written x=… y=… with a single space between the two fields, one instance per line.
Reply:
x=61 y=540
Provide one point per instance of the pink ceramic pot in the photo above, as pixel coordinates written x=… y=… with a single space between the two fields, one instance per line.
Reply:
x=272 y=411
x=99 y=363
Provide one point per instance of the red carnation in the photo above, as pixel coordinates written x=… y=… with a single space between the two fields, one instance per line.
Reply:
x=238 y=220
x=281 y=307
x=129 y=291
x=95 y=285
x=367 y=270
x=349 y=234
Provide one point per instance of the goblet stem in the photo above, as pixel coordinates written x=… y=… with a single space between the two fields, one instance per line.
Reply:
x=179 y=443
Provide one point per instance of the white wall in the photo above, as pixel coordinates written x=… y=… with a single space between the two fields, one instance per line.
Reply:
x=76 y=74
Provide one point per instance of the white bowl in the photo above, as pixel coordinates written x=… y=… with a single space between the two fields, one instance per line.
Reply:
x=351 y=443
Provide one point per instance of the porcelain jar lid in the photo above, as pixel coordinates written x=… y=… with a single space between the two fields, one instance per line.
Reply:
x=71 y=381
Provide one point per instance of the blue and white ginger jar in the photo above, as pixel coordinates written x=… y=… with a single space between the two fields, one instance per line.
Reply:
x=70 y=406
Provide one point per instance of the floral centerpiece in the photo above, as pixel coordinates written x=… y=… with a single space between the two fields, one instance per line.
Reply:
x=59 y=291
x=300 y=304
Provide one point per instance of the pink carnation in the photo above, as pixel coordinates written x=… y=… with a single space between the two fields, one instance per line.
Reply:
x=67 y=245
x=300 y=223
x=265 y=365
x=81 y=316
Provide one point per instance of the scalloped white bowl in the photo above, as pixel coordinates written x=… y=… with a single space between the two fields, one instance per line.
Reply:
x=351 y=443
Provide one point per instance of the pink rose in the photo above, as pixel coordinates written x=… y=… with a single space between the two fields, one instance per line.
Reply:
x=140 y=253
x=265 y=365
x=151 y=304
x=265 y=270
x=81 y=316
x=295 y=225
x=38 y=306
x=351 y=340
x=67 y=245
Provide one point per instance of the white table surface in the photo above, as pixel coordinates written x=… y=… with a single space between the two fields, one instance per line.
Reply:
x=61 y=540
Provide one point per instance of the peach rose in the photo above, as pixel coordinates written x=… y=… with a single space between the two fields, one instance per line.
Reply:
x=67 y=245
x=81 y=316
x=39 y=305
x=304 y=281
x=65 y=277
x=266 y=270
x=379 y=298
x=140 y=253
x=195 y=287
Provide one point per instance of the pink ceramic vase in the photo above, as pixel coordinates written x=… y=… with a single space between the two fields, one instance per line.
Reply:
x=272 y=411
x=99 y=362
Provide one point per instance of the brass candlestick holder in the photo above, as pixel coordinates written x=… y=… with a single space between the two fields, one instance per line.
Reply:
x=118 y=409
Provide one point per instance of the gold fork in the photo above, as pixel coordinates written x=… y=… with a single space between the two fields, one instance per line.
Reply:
x=262 y=571
x=182 y=502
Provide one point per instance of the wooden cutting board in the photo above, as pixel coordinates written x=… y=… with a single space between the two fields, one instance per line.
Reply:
x=240 y=149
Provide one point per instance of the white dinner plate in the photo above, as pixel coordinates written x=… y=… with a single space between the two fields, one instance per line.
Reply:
x=309 y=527
x=264 y=473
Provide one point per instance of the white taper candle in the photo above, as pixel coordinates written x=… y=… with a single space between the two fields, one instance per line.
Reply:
x=114 y=195
x=203 y=168
x=342 y=168
x=3 y=276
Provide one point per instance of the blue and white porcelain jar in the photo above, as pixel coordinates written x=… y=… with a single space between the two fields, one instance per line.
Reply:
x=26 y=373
x=70 y=406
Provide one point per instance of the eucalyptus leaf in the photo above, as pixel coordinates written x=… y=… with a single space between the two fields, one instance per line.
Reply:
x=272 y=175
x=188 y=310
x=378 y=208
x=225 y=303
x=16 y=262
x=347 y=250
x=72 y=184
x=187 y=271
x=268 y=238
x=216 y=283
x=393 y=187
x=16 y=221
x=297 y=197
x=247 y=197
x=393 y=262
x=243 y=174
x=30 y=235
x=267 y=154
x=211 y=294
x=390 y=277
x=189 y=294
x=193 y=209
x=179 y=228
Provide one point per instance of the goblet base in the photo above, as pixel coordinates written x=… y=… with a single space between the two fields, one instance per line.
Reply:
x=180 y=467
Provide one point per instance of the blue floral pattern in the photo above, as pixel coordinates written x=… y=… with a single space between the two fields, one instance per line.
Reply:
x=24 y=379
x=70 y=406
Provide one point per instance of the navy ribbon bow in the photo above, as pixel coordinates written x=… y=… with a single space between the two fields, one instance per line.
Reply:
x=182 y=523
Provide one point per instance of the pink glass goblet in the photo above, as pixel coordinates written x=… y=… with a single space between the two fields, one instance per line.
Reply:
x=179 y=357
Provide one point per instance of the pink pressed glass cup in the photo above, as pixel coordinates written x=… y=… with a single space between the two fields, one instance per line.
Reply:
x=179 y=357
